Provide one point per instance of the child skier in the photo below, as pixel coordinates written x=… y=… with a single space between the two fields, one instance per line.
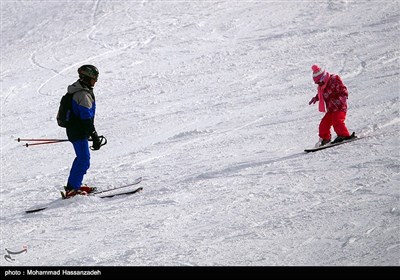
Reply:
x=332 y=96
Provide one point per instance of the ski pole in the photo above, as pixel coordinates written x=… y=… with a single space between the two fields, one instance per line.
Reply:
x=40 y=139
x=43 y=143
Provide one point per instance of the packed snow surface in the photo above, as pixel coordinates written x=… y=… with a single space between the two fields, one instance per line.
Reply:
x=208 y=102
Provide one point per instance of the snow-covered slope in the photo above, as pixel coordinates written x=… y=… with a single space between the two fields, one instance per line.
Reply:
x=208 y=101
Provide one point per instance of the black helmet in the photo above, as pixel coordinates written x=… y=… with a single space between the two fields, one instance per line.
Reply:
x=88 y=72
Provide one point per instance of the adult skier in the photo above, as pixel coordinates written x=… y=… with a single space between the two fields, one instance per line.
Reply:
x=82 y=129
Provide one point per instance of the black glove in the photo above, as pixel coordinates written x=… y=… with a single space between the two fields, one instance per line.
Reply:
x=96 y=141
x=313 y=100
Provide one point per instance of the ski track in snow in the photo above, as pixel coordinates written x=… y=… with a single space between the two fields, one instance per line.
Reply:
x=208 y=101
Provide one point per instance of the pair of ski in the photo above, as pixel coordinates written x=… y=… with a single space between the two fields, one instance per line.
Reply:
x=330 y=145
x=100 y=194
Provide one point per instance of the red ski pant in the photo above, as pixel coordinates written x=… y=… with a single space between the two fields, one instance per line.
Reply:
x=335 y=119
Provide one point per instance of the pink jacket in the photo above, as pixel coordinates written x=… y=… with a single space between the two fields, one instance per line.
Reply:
x=334 y=93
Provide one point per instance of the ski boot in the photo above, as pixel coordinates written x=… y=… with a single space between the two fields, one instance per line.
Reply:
x=343 y=138
x=322 y=142
x=71 y=192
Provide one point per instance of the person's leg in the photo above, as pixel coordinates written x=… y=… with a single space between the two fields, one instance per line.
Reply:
x=338 y=122
x=80 y=165
x=325 y=127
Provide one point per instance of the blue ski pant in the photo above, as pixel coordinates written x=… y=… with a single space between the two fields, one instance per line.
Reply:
x=81 y=163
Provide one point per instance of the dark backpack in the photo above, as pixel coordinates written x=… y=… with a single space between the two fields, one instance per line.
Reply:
x=65 y=115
